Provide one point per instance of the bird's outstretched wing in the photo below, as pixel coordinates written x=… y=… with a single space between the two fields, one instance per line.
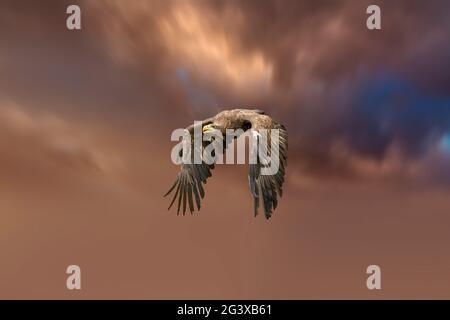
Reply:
x=188 y=185
x=267 y=188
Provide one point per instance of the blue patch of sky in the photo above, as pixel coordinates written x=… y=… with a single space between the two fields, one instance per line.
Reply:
x=389 y=107
x=445 y=143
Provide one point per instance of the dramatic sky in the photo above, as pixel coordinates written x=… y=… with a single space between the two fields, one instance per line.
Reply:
x=85 y=124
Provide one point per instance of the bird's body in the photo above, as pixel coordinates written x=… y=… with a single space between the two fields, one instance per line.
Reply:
x=189 y=183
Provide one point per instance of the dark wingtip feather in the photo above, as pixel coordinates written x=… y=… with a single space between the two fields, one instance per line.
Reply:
x=181 y=194
x=184 y=200
x=190 y=200
x=174 y=196
x=172 y=187
x=197 y=196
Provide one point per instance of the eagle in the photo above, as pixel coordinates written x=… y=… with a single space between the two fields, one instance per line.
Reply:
x=264 y=189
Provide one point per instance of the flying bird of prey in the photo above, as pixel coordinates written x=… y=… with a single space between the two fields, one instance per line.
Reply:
x=265 y=189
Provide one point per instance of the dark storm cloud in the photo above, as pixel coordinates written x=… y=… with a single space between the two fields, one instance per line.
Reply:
x=389 y=109
x=313 y=65
x=383 y=114
x=378 y=89
x=332 y=34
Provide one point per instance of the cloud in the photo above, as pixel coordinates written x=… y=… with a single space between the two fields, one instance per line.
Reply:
x=38 y=146
x=160 y=65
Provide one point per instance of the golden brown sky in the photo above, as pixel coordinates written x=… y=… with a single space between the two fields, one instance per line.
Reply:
x=85 y=124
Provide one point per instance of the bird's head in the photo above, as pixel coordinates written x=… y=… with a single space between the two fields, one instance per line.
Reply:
x=210 y=128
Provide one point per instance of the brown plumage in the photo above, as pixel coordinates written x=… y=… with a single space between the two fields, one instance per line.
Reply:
x=264 y=188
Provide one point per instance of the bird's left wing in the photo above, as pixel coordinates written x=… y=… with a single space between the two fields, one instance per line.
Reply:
x=188 y=185
x=267 y=188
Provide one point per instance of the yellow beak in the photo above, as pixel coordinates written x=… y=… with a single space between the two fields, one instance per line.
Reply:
x=207 y=128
